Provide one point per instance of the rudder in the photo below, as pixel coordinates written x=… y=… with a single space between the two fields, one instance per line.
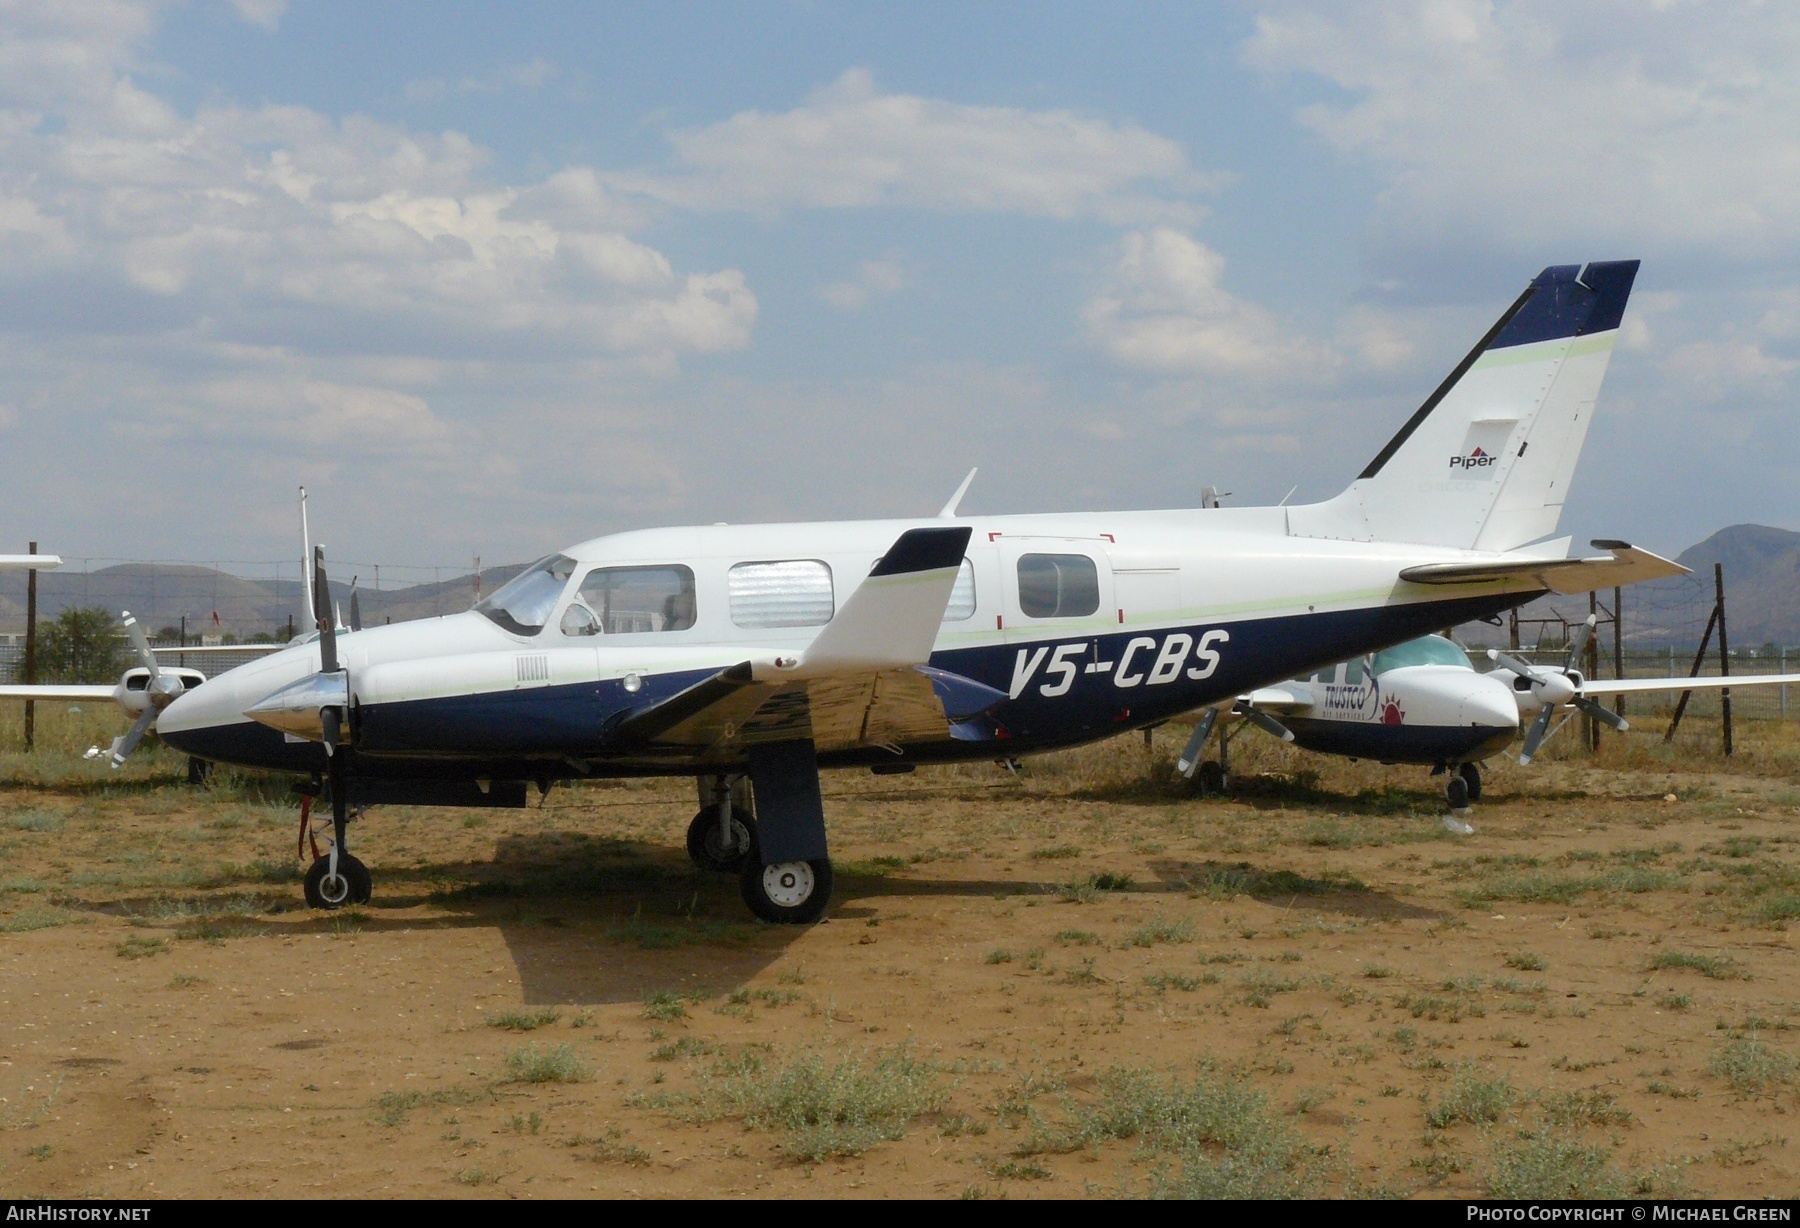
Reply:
x=1485 y=463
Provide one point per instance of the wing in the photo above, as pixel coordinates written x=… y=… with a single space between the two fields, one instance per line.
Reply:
x=863 y=681
x=74 y=694
x=1626 y=565
x=1289 y=697
x=1634 y=686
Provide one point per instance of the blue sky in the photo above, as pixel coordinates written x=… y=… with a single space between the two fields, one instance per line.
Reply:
x=489 y=280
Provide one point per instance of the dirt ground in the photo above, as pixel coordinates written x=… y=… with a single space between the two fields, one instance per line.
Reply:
x=1078 y=980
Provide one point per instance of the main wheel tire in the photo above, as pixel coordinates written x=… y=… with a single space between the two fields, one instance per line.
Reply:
x=353 y=884
x=788 y=893
x=1471 y=775
x=1210 y=777
x=199 y=770
x=703 y=845
x=1457 y=793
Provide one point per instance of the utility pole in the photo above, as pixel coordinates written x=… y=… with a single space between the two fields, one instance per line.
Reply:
x=1724 y=655
x=1513 y=617
x=31 y=651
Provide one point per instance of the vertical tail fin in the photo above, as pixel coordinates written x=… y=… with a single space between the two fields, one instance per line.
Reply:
x=1485 y=463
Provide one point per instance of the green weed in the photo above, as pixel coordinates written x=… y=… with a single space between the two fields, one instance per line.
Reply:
x=554 y=1064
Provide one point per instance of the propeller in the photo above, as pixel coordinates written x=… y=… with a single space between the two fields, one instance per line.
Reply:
x=355 y=607
x=1263 y=721
x=1552 y=689
x=1189 y=763
x=160 y=691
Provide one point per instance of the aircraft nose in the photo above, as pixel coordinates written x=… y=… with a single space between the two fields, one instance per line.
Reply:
x=1490 y=704
x=183 y=724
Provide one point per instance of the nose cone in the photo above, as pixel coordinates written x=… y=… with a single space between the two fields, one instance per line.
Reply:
x=1489 y=702
x=209 y=722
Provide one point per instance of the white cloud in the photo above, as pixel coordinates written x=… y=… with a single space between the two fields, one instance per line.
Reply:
x=1165 y=310
x=264 y=13
x=851 y=145
x=874 y=279
x=1613 y=127
x=530 y=75
x=1719 y=368
x=352 y=234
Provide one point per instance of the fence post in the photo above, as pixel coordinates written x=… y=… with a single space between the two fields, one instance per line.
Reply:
x=31 y=652
x=1782 y=669
x=1724 y=656
x=1618 y=646
x=1591 y=667
x=1699 y=658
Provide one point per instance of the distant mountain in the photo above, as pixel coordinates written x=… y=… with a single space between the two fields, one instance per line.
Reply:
x=161 y=594
x=1762 y=596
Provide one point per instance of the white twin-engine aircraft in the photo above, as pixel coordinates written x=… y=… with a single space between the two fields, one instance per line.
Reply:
x=764 y=653
x=1423 y=702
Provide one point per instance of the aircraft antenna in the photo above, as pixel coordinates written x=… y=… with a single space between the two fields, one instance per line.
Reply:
x=949 y=512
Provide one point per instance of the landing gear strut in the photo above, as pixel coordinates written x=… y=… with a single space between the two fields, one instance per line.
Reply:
x=724 y=831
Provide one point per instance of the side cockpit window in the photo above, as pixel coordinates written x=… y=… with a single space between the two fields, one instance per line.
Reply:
x=522 y=605
x=787 y=593
x=627 y=600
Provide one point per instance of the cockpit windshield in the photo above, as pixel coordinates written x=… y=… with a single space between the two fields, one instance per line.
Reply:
x=1426 y=650
x=522 y=605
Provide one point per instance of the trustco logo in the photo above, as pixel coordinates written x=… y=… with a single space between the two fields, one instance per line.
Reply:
x=1478 y=459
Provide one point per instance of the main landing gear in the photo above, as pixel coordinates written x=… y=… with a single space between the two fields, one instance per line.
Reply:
x=723 y=838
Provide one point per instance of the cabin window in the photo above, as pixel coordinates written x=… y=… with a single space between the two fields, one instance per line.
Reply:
x=624 y=600
x=1353 y=672
x=1058 y=585
x=962 y=595
x=788 y=593
x=522 y=605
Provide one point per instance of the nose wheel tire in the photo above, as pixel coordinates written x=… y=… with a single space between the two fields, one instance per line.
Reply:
x=1457 y=793
x=789 y=892
x=353 y=884
x=1210 y=778
x=707 y=851
x=1471 y=775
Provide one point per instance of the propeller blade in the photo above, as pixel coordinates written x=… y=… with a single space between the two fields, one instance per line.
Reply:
x=328 y=659
x=355 y=607
x=141 y=642
x=1268 y=724
x=1534 y=737
x=1189 y=763
x=125 y=745
x=1601 y=713
x=1579 y=643
x=1506 y=660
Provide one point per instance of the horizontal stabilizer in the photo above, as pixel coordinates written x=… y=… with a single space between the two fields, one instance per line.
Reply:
x=1626 y=565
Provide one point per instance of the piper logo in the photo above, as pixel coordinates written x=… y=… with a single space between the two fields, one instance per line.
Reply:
x=1478 y=459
